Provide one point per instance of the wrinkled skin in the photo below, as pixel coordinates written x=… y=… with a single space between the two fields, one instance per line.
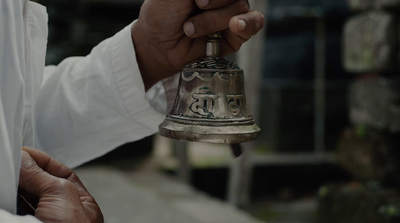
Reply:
x=60 y=195
x=165 y=43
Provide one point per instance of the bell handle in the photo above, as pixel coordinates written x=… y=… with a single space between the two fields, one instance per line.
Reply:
x=213 y=45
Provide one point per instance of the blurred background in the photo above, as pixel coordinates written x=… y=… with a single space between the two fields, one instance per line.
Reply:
x=321 y=80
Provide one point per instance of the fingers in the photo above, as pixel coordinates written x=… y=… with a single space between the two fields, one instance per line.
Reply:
x=55 y=184
x=212 y=4
x=32 y=178
x=214 y=20
x=247 y=25
x=48 y=164
x=241 y=29
x=55 y=168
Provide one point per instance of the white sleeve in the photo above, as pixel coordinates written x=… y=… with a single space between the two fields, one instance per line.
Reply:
x=89 y=105
x=10 y=218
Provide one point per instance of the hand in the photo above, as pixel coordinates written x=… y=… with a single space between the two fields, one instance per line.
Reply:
x=61 y=195
x=170 y=34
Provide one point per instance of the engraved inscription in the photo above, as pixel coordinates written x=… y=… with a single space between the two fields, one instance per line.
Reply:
x=203 y=104
x=235 y=103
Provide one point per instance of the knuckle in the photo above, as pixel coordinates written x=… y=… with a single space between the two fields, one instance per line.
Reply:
x=64 y=183
x=60 y=185
x=73 y=176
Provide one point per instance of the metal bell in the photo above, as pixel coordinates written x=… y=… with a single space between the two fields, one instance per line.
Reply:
x=210 y=105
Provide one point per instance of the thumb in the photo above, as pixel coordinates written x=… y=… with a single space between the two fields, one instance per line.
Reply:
x=34 y=179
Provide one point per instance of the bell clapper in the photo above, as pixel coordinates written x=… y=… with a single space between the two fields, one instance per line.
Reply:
x=236 y=150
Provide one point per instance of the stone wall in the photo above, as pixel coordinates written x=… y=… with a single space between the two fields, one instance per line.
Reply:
x=371 y=52
x=361 y=5
x=369 y=148
x=370 y=42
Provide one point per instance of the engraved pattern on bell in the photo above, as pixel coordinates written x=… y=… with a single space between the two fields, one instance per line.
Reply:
x=210 y=105
x=211 y=94
x=213 y=63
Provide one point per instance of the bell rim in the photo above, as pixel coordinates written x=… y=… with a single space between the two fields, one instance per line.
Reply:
x=211 y=134
x=228 y=70
x=210 y=121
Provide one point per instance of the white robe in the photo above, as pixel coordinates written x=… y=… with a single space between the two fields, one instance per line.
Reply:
x=76 y=111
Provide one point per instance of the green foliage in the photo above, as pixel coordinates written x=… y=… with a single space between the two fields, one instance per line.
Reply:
x=361 y=131
x=390 y=210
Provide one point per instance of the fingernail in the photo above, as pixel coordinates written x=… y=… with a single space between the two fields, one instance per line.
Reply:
x=202 y=3
x=188 y=28
x=241 y=24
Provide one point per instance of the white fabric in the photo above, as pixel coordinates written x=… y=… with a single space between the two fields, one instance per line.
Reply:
x=7 y=217
x=76 y=111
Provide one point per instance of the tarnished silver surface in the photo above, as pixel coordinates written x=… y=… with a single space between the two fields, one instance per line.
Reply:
x=210 y=105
